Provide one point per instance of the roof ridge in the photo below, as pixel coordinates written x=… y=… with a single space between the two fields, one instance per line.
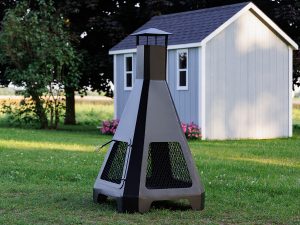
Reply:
x=203 y=9
x=211 y=19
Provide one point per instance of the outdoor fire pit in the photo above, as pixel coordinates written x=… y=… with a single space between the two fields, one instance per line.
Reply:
x=149 y=158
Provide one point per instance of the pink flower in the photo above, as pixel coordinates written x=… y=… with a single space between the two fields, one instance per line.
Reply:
x=109 y=126
x=191 y=130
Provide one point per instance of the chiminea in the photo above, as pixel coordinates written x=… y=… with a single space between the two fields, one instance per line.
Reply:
x=149 y=158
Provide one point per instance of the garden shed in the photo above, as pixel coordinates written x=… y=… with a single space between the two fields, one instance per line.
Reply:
x=229 y=70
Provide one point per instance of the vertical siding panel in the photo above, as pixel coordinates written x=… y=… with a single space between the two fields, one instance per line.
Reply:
x=252 y=126
x=238 y=97
x=170 y=73
x=199 y=89
x=266 y=80
x=273 y=86
x=211 y=88
x=243 y=84
x=286 y=91
x=192 y=88
x=120 y=85
x=218 y=88
x=230 y=81
x=280 y=81
x=207 y=91
x=193 y=113
x=227 y=73
x=210 y=92
x=194 y=81
x=257 y=74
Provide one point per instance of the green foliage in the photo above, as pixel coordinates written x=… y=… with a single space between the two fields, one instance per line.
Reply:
x=55 y=105
x=36 y=48
x=20 y=113
x=88 y=113
x=23 y=113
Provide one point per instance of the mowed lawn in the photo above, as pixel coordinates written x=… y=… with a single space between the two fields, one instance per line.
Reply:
x=47 y=177
x=296 y=116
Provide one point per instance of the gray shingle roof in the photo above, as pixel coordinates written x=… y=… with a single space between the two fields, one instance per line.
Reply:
x=186 y=27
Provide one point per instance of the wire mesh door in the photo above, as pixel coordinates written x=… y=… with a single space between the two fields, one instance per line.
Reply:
x=114 y=167
x=167 y=167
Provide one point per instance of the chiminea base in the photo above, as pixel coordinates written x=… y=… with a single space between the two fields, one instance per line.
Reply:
x=129 y=205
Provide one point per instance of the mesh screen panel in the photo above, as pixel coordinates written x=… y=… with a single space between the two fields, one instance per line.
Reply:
x=114 y=166
x=167 y=167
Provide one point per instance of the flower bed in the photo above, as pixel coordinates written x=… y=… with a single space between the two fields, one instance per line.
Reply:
x=191 y=130
x=109 y=126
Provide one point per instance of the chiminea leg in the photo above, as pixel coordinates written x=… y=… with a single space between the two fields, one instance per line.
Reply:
x=132 y=205
x=144 y=205
x=98 y=198
x=197 y=202
x=127 y=204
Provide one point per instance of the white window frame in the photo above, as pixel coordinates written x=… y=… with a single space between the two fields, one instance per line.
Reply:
x=182 y=88
x=126 y=88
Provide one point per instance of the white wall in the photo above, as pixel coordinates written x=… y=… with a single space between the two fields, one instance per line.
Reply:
x=247 y=83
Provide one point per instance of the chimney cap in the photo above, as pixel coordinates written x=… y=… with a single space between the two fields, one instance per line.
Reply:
x=151 y=32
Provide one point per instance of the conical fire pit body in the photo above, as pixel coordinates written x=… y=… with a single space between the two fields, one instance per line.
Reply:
x=149 y=158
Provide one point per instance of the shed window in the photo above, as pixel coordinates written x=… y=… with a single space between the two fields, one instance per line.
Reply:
x=128 y=72
x=182 y=69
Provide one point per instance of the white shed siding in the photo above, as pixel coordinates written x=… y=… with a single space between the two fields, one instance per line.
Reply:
x=247 y=82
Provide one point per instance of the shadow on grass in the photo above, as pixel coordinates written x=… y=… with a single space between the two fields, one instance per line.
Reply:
x=169 y=205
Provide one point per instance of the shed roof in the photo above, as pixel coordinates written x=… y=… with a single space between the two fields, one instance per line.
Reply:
x=199 y=25
x=186 y=27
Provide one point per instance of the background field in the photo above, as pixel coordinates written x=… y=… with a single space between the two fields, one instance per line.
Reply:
x=296 y=116
x=46 y=177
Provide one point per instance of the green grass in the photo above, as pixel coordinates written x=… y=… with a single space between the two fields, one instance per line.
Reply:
x=46 y=177
x=296 y=116
x=90 y=114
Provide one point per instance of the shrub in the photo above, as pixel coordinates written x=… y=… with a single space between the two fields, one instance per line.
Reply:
x=191 y=131
x=20 y=113
x=109 y=126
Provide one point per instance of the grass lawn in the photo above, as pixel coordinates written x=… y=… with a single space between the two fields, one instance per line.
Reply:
x=46 y=177
x=90 y=114
x=296 y=116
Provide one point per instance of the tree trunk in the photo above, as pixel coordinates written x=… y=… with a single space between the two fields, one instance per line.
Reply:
x=70 y=107
x=40 y=111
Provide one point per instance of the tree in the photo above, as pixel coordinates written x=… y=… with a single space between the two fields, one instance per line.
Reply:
x=37 y=51
x=4 y=5
x=91 y=28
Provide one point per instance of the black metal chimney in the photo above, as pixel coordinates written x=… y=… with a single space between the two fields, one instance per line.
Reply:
x=149 y=158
